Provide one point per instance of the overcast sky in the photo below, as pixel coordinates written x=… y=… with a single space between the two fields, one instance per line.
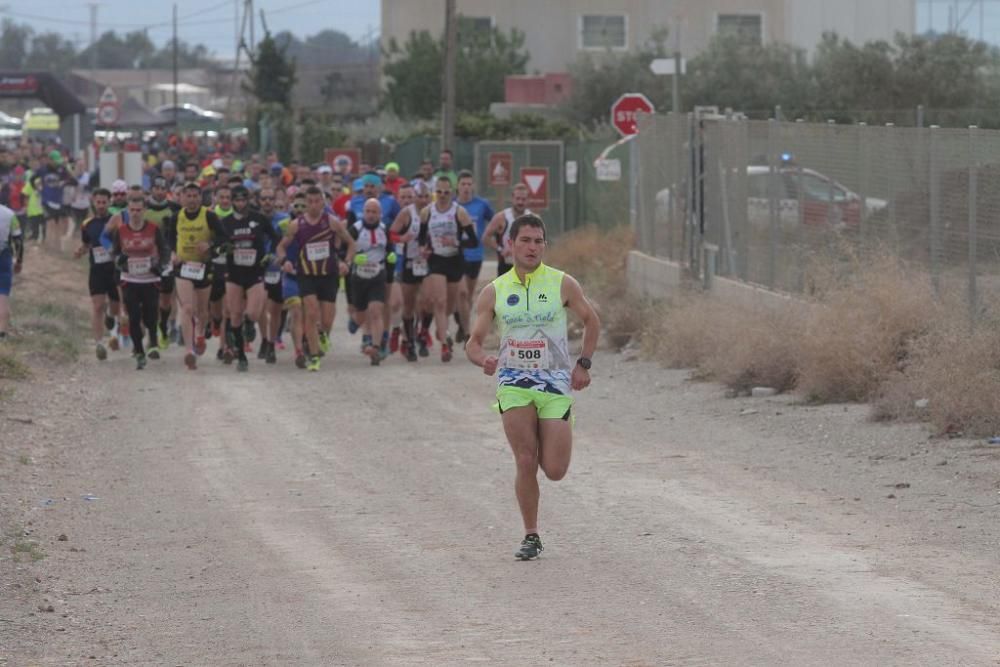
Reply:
x=208 y=22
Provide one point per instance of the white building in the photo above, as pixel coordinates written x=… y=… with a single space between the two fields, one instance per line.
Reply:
x=558 y=31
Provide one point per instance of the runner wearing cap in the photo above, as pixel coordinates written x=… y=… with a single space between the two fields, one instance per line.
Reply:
x=392 y=182
x=119 y=197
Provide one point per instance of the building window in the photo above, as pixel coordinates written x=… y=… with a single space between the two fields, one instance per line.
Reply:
x=603 y=31
x=475 y=25
x=744 y=26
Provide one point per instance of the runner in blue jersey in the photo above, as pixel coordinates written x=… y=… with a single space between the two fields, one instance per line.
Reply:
x=480 y=212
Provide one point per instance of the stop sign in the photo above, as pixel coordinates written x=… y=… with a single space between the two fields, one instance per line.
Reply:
x=623 y=112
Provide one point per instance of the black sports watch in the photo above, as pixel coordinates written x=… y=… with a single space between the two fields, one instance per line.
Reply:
x=584 y=363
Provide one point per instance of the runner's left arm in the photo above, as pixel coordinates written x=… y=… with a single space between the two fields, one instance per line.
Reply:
x=574 y=300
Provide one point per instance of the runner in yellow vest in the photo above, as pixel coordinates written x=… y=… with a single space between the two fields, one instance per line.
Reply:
x=537 y=374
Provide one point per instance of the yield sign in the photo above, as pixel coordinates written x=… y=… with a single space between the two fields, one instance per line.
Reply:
x=501 y=169
x=537 y=180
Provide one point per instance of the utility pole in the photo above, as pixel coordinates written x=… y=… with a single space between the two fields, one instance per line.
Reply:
x=676 y=83
x=175 y=66
x=93 y=44
x=450 y=54
x=253 y=40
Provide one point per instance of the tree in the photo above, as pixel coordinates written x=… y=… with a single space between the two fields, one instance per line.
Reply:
x=413 y=74
x=51 y=52
x=747 y=76
x=847 y=75
x=327 y=47
x=272 y=74
x=114 y=51
x=14 y=40
x=486 y=56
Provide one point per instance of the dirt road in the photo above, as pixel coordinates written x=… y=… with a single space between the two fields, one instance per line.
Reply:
x=365 y=516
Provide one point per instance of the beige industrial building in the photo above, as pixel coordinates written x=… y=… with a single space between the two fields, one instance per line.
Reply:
x=558 y=31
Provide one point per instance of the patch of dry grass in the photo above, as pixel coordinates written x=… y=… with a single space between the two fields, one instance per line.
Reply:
x=955 y=370
x=738 y=346
x=862 y=330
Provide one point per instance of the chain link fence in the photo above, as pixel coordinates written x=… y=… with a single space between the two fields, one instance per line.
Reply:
x=759 y=201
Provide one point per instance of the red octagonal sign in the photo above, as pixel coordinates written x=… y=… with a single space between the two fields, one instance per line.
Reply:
x=624 y=110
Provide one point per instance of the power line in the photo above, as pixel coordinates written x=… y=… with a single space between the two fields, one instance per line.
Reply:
x=137 y=26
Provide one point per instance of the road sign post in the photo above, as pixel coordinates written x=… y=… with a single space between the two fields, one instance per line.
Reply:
x=109 y=109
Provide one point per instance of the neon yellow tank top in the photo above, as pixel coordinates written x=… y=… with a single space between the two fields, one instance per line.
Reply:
x=531 y=322
x=191 y=232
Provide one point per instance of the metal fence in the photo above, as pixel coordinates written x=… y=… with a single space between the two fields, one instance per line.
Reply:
x=759 y=201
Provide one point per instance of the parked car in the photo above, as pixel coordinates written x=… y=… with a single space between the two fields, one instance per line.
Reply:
x=825 y=201
x=190 y=112
x=10 y=127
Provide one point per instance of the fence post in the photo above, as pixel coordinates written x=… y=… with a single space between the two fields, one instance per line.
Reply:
x=973 y=223
x=831 y=209
x=633 y=186
x=864 y=169
x=935 y=206
x=772 y=201
x=889 y=149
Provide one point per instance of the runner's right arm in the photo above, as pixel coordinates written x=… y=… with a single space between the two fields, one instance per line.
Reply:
x=493 y=232
x=480 y=327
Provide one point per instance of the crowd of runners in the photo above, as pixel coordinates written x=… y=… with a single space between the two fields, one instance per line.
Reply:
x=256 y=256
x=253 y=257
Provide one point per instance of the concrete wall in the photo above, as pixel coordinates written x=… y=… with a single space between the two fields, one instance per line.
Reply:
x=658 y=279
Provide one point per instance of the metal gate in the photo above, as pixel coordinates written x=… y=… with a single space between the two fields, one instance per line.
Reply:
x=539 y=164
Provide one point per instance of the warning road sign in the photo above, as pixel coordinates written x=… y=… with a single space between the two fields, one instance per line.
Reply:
x=537 y=180
x=108 y=114
x=108 y=96
x=501 y=169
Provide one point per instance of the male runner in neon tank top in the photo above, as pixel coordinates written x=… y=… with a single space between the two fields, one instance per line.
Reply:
x=537 y=374
x=319 y=268
x=193 y=236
